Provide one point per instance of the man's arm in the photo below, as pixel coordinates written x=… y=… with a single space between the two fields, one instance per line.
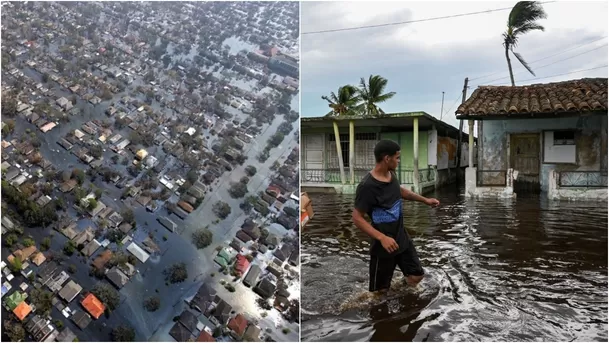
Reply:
x=360 y=222
x=412 y=196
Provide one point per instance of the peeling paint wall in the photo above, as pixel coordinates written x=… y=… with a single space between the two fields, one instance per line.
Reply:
x=591 y=153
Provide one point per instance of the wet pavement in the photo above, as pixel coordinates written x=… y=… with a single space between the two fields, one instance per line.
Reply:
x=497 y=270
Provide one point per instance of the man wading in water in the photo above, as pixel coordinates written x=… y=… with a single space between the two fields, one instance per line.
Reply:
x=379 y=195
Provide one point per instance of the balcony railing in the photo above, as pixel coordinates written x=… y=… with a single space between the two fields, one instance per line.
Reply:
x=491 y=178
x=584 y=179
x=333 y=175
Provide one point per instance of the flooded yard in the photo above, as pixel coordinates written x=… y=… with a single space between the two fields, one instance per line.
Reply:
x=497 y=270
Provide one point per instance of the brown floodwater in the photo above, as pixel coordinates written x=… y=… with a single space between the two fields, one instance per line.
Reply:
x=526 y=269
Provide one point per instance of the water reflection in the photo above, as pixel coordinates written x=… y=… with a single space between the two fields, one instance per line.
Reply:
x=501 y=270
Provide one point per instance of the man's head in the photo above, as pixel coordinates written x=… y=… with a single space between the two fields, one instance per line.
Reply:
x=387 y=154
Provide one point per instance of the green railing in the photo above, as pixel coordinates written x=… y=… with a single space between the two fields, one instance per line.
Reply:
x=333 y=175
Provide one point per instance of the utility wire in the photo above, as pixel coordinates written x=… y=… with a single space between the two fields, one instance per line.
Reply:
x=547 y=77
x=453 y=105
x=545 y=58
x=549 y=64
x=412 y=21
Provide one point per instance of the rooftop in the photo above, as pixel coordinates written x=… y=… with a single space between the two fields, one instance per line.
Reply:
x=93 y=305
x=539 y=100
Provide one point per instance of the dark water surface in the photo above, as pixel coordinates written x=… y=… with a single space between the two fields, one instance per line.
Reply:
x=497 y=270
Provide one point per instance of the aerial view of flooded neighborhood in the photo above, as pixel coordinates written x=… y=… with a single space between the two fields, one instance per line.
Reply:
x=150 y=169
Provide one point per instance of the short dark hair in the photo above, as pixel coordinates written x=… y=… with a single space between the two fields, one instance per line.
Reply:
x=385 y=148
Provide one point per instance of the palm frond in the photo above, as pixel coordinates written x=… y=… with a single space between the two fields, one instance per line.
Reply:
x=384 y=97
x=532 y=26
x=524 y=12
x=523 y=62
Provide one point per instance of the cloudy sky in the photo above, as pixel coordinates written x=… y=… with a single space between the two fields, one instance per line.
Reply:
x=422 y=60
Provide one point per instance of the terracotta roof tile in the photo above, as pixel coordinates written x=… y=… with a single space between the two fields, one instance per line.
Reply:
x=93 y=305
x=575 y=96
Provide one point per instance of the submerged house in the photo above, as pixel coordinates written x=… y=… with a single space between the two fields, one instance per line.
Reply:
x=428 y=155
x=549 y=138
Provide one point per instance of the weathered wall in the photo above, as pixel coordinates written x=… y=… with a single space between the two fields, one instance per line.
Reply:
x=494 y=150
x=406 y=141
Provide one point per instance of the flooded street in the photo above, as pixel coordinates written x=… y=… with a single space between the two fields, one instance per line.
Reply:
x=497 y=270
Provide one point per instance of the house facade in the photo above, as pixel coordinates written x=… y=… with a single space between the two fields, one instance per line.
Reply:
x=543 y=138
x=428 y=155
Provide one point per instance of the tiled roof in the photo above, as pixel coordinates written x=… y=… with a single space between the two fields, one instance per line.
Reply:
x=93 y=306
x=567 y=97
x=22 y=310
x=238 y=324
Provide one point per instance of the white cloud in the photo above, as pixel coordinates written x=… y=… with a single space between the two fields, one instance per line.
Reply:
x=421 y=60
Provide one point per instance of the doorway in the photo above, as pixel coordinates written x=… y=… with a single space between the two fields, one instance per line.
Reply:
x=524 y=158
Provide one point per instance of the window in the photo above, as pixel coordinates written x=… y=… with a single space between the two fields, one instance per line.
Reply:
x=344 y=144
x=564 y=137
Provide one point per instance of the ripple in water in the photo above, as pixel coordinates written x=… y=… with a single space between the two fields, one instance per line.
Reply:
x=497 y=270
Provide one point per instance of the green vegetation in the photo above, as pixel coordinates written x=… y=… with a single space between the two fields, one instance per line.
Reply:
x=10 y=239
x=202 y=238
x=69 y=248
x=28 y=242
x=221 y=209
x=46 y=244
x=123 y=333
x=107 y=294
x=176 y=273
x=152 y=304
x=30 y=211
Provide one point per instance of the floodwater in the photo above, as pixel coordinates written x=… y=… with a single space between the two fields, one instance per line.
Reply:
x=497 y=270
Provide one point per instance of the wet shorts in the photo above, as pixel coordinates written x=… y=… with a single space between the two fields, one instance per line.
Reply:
x=381 y=268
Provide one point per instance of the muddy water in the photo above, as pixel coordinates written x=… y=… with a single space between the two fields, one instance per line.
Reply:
x=497 y=270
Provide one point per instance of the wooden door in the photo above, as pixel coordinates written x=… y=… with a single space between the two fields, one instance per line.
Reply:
x=524 y=158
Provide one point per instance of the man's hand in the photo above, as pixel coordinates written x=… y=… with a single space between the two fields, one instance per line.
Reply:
x=432 y=202
x=389 y=244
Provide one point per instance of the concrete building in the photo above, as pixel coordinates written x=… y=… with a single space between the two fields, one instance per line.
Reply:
x=428 y=155
x=549 y=138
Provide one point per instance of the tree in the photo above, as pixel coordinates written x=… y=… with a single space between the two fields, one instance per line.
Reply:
x=343 y=105
x=28 y=242
x=14 y=331
x=92 y=204
x=10 y=240
x=46 y=244
x=237 y=190
x=96 y=151
x=128 y=215
x=202 y=238
x=69 y=248
x=176 y=273
x=221 y=209
x=522 y=19
x=42 y=299
x=98 y=193
x=372 y=93
x=16 y=264
x=123 y=333
x=250 y=170
x=107 y=294
x=79 y=175
x=152 y=304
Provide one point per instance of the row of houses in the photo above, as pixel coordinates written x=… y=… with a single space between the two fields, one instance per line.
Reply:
x=549 y=138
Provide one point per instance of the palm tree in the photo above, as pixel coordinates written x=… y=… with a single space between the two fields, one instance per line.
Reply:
x=523 y=19
x=372 y=93
x=344 y=104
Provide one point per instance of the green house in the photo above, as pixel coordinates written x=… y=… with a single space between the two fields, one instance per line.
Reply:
x=428 y=155
x=12 y=301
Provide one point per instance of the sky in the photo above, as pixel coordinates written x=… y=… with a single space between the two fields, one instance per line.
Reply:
x=422 y=60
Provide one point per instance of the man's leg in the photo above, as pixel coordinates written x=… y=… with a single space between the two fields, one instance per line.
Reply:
x=410 y=265
x=381 y=273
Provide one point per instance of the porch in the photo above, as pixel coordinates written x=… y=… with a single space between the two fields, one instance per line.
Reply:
x=559 y=148
x=428 y=154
